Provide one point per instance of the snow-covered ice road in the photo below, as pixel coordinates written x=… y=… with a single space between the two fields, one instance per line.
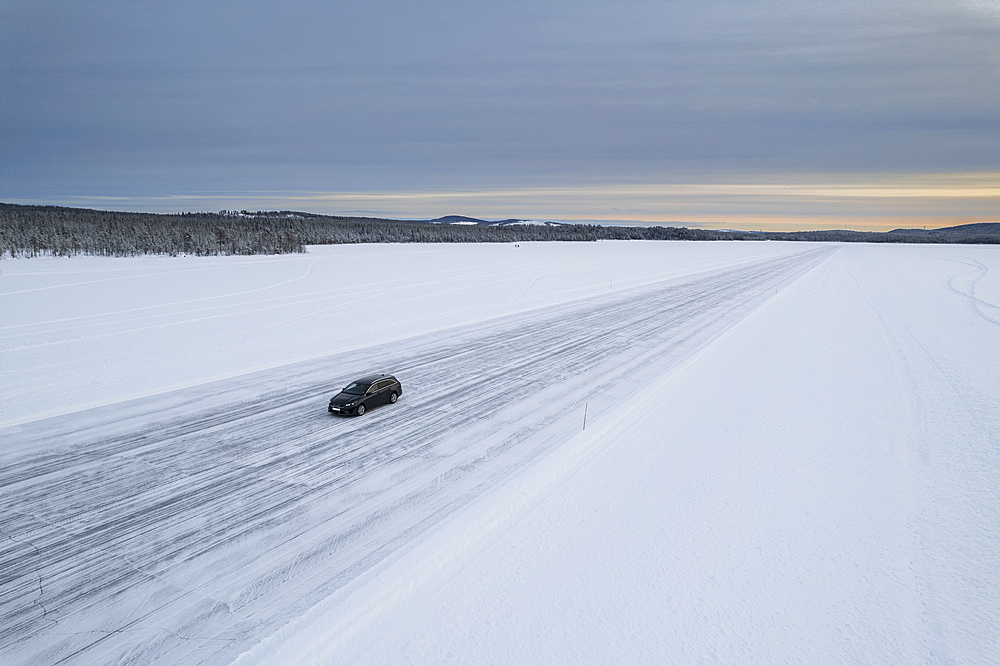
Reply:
x=188 y=526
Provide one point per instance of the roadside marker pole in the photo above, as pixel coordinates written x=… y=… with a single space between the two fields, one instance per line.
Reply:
x=585 y=415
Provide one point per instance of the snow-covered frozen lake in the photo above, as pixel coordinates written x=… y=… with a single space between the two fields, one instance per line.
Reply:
x=791 y=454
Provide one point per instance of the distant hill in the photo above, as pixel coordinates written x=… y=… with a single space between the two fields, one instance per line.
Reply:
x=456 y=219
x=983 y=229
x=463 y=220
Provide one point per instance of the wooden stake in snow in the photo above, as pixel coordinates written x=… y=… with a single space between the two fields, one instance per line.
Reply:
x=585 y=415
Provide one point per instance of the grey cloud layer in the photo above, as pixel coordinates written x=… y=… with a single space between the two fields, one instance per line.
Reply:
x=185 y=96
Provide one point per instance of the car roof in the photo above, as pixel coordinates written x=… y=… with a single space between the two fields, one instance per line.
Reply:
x=371 y=379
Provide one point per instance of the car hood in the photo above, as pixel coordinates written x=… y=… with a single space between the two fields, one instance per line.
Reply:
x=342 y=399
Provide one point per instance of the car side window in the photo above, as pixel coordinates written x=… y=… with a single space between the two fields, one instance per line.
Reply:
x=381 y=385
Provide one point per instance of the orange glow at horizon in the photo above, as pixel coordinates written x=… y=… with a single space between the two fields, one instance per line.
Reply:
x=788 y=202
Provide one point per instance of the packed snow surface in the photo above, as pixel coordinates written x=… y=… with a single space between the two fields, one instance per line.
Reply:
x=86 y=331
x=791 y=454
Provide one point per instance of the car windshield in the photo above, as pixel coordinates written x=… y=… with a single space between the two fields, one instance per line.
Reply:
x=354 y=388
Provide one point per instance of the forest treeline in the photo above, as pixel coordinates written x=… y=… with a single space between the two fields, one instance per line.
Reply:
x=30 y=231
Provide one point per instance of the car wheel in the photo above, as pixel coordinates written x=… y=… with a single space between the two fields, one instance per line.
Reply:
x=361 y=409
x=393 y=397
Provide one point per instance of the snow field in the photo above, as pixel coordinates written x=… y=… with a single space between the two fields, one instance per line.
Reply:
x=186 y=526
x=804 y=476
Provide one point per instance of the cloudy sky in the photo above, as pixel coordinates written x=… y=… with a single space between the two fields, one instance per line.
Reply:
x=772 y=114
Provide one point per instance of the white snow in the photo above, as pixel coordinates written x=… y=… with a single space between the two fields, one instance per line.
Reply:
x=87 y=331
x=813 y=481
x=533 y=223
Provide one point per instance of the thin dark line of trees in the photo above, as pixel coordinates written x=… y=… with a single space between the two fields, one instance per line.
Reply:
x=31 y=231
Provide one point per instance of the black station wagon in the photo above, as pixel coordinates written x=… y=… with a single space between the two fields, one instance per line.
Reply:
x=361 y=395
